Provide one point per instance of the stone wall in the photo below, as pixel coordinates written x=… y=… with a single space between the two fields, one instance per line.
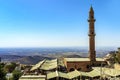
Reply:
x=81 y=66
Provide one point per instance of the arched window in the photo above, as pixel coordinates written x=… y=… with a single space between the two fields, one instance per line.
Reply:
x=79 y=69
x=92 y=32
x=93 y=64
x=87 y=66
x=92 y=16
x=71 y=69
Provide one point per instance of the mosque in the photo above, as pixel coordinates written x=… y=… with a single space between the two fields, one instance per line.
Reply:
x=70 y=68
x=86 y=64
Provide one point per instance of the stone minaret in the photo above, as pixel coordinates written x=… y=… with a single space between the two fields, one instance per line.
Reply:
x=91 y=20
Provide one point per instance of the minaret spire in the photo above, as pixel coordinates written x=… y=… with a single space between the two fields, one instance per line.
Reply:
x=91 y=20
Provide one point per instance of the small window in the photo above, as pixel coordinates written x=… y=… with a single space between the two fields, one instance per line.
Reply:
x=71 y=69
x=92 y=17
x=92 y=32
x=87 y=66
x=79 y=69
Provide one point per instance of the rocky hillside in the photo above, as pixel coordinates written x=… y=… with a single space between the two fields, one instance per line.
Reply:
x=23 y=59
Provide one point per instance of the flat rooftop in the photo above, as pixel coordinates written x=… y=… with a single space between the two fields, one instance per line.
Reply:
x=81 y=59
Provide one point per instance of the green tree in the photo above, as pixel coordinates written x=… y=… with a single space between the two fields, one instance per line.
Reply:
x=2 y=73
x=118 y=57
x=10 y=67
x=2 y=65
x=16 y=74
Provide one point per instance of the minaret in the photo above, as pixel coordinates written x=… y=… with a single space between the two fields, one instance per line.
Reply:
x=91 y=20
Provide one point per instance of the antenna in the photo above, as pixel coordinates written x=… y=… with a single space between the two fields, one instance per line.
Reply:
x=91 y=2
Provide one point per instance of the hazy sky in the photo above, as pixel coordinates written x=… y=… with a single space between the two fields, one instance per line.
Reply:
x=51 y=23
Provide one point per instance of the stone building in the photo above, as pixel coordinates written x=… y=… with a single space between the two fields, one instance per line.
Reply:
x=82 y=64
x=86 y=64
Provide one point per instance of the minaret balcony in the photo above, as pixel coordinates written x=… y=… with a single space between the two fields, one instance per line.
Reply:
x=91 y=20
x=91 y=34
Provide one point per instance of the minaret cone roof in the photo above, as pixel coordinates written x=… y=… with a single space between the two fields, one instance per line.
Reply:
x=91 y=9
